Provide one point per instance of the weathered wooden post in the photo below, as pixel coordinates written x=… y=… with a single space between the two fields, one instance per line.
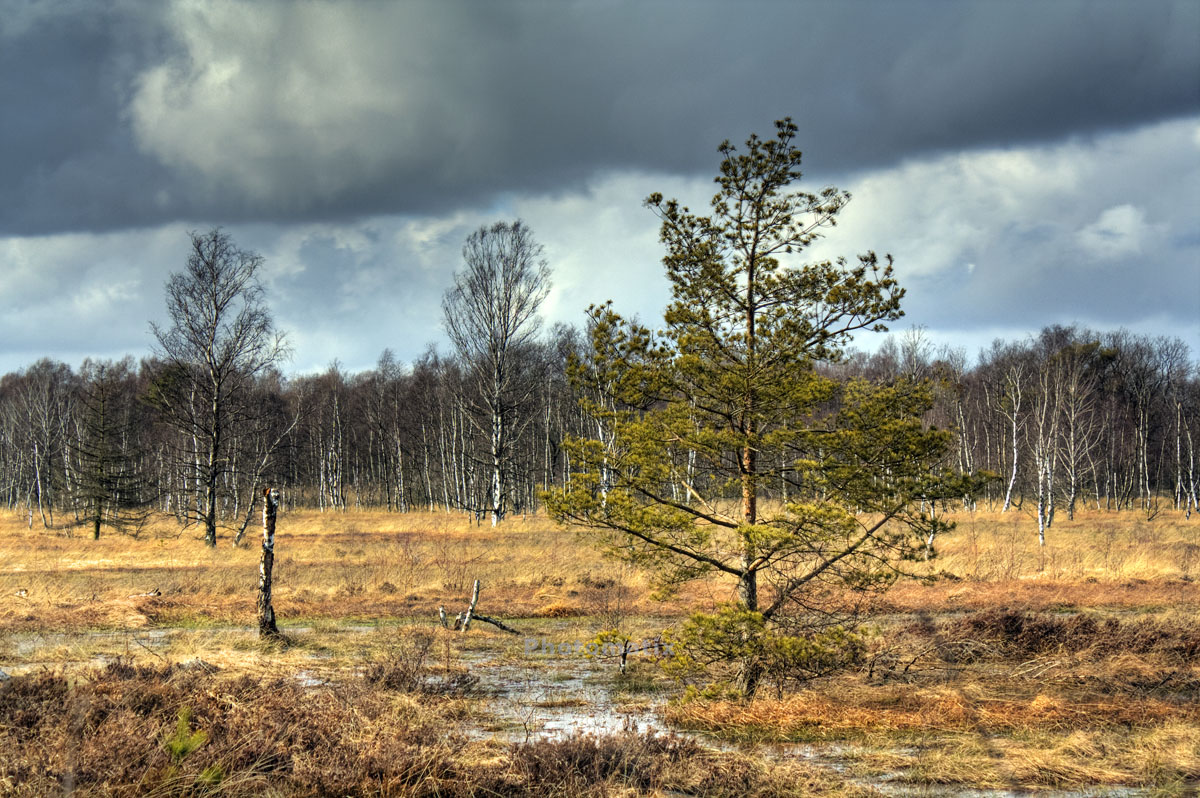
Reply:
x=266 y=613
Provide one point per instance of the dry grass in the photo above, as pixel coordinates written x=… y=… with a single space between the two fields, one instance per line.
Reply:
x=1072 y=666
x=1002 y=699
x=328 y=565
x=1108 y=546
x=965 y=736
x=374 y=564
x=852 y=709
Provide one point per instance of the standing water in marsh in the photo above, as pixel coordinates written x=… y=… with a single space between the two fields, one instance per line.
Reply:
x=554 y=698
x=518 y=696
x=559 y=698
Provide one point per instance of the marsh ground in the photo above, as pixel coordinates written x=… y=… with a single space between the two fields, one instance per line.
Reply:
x=1075 y=668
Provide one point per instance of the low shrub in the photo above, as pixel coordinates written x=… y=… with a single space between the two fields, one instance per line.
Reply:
x=174 y=731
x=1032 y=634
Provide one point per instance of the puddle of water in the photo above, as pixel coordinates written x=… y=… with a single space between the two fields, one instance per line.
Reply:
x=351 y=628
x=24 y=644
x=553 y=700
x=310 y=679
x=27 y=652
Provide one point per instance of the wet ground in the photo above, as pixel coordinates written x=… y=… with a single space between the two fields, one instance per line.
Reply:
x=564 y=696
x=552 y=700
x=528 y=694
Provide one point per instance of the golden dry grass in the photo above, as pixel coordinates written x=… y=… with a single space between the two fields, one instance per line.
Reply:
x=998 y=547
x=1002 y=699
x=375 y=564
x=851 y=708
x=332 y=565
x=965 y=735
x=1098 y=560
x=1012 y=718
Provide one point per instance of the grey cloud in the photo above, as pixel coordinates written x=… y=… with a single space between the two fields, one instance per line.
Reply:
x=987 y=243
x=139 y=113
x=80 y=295
x=67 y=161
x=346 y=291
x=1094 y=231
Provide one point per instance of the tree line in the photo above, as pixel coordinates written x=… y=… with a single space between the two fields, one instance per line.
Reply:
x=1069 y=418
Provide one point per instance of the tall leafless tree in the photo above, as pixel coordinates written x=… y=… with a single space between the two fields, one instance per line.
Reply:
x=221 y=337
x=1042 y=431
x=491 y=315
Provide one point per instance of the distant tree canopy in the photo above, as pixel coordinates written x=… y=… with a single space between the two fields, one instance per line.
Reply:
x=398 y=437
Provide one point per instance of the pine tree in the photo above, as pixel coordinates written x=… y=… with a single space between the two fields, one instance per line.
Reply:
x=113 y=488
x=727 y=403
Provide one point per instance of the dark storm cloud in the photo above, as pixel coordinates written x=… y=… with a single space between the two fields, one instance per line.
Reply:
x=142 y=112
x=67 y=160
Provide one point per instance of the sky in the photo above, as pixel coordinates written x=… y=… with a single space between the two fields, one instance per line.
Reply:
x=1026 y=163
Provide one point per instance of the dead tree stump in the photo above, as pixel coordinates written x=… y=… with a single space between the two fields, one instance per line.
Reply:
x=266 y=613
x=462 y=622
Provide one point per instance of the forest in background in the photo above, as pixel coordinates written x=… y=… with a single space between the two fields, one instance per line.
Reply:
x=1070 y=416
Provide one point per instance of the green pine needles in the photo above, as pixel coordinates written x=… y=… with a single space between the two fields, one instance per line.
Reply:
x=724 y=446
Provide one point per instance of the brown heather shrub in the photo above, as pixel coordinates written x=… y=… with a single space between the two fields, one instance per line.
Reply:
x=174 y=730
x=1031 y=634
x=577 y=764
x=585 y=765
x=108 y=735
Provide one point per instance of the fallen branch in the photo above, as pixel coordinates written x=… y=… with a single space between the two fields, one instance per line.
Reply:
x=496 y=623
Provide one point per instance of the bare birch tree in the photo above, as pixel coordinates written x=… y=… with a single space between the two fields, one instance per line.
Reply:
x=1008 y=374
x=221 y=337
x=491 y=316
x=1042 y=431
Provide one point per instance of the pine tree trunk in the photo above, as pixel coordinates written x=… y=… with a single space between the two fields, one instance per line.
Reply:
x=751 y=669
